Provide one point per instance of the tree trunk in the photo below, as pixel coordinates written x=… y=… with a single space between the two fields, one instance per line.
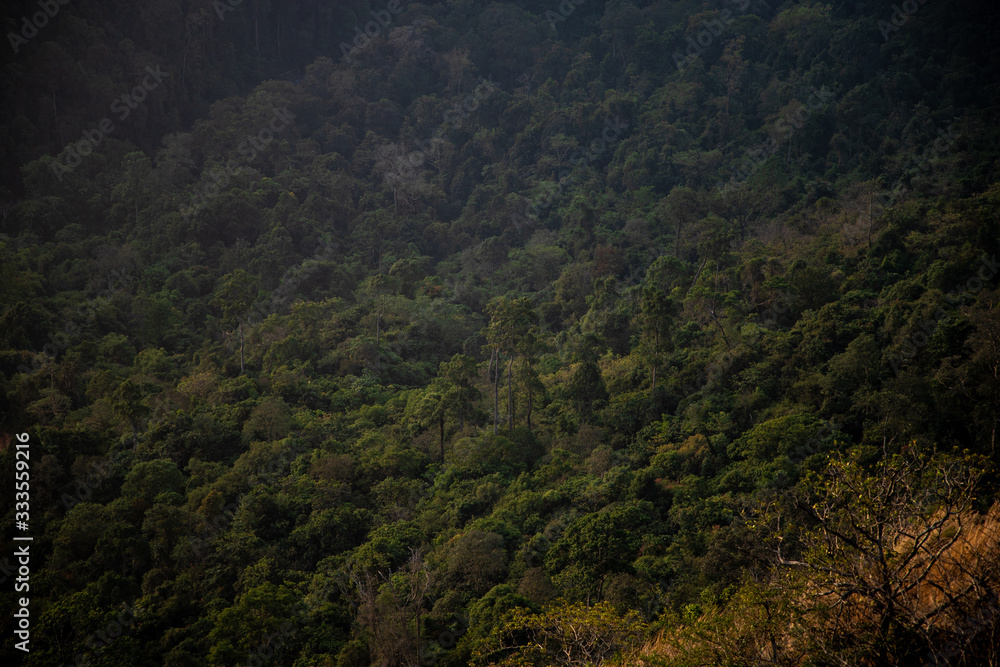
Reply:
x=871 y=198
x=442 y=436
x=496 y=391
x=417 y=610
x=656 y=356
x=55 y=114
x=242 y=364
x=530 y=394
x=510 y=396
x=378 y=332
x=721 y=330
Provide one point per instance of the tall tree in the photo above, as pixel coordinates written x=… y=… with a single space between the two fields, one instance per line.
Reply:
x=378 y=288
x=511 y=322
x=238 y=292
x=656 y=314
x=461 y=394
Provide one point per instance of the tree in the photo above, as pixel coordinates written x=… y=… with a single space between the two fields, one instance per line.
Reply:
x=431 y=409
x=586 y=386
x=128 y=404
x=599 y=544
x=237 y=293
x=982 y=383
x=567 y=634
x=259 y=621
x=148 y=479
x=403 y=176
x=746 y=202
x=387 y=601
x=136 y=172
x=511 y=322
x=894 y=552
x=862 y=208
x=656 y=314
x=452 y=391
x=618 y=26
x=476 y=561
x=270 y=420
x=378 y=287
x=461 y=394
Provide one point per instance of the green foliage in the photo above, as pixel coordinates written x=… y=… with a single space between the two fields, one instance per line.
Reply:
x=566 y=634
x=694 y=266
x=597 y=545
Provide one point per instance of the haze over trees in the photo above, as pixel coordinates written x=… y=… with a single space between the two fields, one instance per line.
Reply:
x=507 y=333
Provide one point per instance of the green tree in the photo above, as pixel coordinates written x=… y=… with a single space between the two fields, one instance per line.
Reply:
x=378 y=288
x=599 y=544
x=461 y=393
x=252 y=625
x=431 y=409
x=585 y=387
x=656 y=315
x=129 y=405
x=390 y=604
x=136 y=170
x=511 y=323
x=570 y=634
x=234 y=297
x=148 y=479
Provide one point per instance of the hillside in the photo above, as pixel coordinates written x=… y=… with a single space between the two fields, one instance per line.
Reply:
x=501 y=333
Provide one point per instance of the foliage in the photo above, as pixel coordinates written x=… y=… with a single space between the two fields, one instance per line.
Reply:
x=669 y=322
x=568 y=634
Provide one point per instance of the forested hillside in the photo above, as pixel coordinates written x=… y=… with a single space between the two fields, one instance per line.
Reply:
x=355 y=333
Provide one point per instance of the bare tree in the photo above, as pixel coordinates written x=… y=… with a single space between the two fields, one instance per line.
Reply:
x=862 y=210
x=745 y=203
x=402 y=174
x=388 y=601
x=895 y=556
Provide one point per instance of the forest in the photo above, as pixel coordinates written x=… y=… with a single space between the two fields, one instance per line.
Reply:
x=500 y=333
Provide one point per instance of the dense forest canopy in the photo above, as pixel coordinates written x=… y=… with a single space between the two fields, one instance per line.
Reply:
x=569 y=332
